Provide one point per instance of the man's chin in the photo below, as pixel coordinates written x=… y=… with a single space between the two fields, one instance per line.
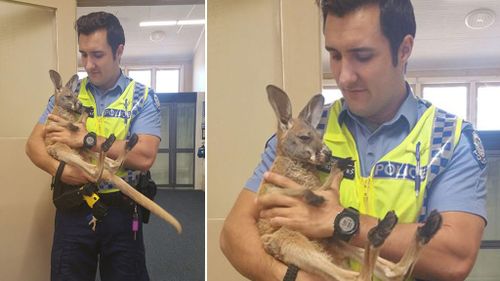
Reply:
x=94 y=81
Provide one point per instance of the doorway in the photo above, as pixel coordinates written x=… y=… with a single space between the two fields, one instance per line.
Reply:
x=175 y=162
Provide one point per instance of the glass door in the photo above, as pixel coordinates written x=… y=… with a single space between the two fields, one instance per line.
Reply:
x=174 y=166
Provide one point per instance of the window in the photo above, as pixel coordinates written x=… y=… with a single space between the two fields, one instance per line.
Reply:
x=167 y=80
x=331 y=94
x=141 y=76
x=452 y=99
x=488 y=99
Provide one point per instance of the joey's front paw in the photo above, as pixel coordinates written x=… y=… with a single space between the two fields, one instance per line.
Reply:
x=313 y=199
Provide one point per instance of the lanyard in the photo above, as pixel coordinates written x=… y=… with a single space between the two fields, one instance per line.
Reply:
x=417 y=170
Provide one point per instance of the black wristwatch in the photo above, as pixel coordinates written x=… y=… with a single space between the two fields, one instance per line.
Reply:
x=346 y=224
x=89 y=140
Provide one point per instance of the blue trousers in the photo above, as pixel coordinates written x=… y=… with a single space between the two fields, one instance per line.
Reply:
x=77 y=249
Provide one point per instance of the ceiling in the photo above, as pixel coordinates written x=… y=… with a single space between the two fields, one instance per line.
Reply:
x=443 y=42
x=101 y=3
x=180 y=43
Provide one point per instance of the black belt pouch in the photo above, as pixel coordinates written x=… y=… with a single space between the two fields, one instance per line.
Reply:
x=67 y=197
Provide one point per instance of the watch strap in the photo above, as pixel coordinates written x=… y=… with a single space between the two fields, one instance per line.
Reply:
x=291 y=273
x=352 y=210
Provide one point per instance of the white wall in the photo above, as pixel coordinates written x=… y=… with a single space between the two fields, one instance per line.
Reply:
x=34 y=37
x=199 y=68
x=250 y=44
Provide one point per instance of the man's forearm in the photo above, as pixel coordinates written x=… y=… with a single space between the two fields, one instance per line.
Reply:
x=241 y=244
x=37 y=152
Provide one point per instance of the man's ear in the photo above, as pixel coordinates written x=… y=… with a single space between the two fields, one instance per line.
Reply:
x=119 y=52
x=405 y=49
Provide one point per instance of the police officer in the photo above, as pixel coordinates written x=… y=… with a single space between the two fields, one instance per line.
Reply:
x=119 y=106
x=410 y=157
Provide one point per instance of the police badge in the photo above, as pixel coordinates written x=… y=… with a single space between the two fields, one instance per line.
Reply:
x=156 y=101
x=479 y=152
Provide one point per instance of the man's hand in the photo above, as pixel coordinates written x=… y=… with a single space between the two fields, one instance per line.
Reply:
x=74 y=176
x=305 y=276
x=295 y=213
x=59 y=132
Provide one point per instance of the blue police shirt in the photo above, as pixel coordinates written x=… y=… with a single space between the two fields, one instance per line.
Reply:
x=462 y=185
x=148 y=121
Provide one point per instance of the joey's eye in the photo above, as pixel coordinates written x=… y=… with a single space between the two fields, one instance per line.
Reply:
x=304 y=137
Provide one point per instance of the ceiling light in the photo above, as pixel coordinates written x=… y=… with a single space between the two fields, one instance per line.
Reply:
x=171 y=23
x=480 y=19
x=190 y=22
x=157 y=36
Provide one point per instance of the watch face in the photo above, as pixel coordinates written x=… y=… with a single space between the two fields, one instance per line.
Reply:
x=347 y=224
x=89 y=140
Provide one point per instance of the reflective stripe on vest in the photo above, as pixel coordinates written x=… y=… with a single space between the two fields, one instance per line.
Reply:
x=115 y=118
x=391 y=184
x=446 y=134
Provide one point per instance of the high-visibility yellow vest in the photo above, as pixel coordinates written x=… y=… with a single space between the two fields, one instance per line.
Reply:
x=391 y=184
x=115 y=119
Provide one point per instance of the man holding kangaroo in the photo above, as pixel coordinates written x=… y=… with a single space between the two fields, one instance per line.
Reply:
x=117 y=242
x=379 y=122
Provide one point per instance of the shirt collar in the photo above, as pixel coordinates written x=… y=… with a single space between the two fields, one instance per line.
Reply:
x=121 y=84
x=407 y=110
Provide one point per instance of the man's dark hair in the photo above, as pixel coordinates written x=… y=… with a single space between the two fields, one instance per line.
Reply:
x=396 y=18
x=101 y=20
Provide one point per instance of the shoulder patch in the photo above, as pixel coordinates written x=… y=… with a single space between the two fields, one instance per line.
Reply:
x=478 y=152
x=156 y=101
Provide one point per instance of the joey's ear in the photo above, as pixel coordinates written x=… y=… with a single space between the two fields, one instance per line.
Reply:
x=72 y=83
x=313 y=110
x=56 y=79
x=281 y=104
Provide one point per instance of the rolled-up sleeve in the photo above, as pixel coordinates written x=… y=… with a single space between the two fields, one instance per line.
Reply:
x=267 y=159
x=148 y=121
x=462 y=186
x=48 y=109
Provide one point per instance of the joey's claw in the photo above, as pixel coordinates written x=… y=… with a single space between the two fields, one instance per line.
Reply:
x=132 y=141
x=431 y=226
x=106 y=145
x=344 y=164
x=381 y=231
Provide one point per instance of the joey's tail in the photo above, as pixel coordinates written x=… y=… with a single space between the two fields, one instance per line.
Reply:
x=142 y=200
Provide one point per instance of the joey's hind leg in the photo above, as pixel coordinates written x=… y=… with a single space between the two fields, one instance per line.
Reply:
x=114 y=165
x=71 y=157
x=291 y=247
x=422 y=236
x=376 y=237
